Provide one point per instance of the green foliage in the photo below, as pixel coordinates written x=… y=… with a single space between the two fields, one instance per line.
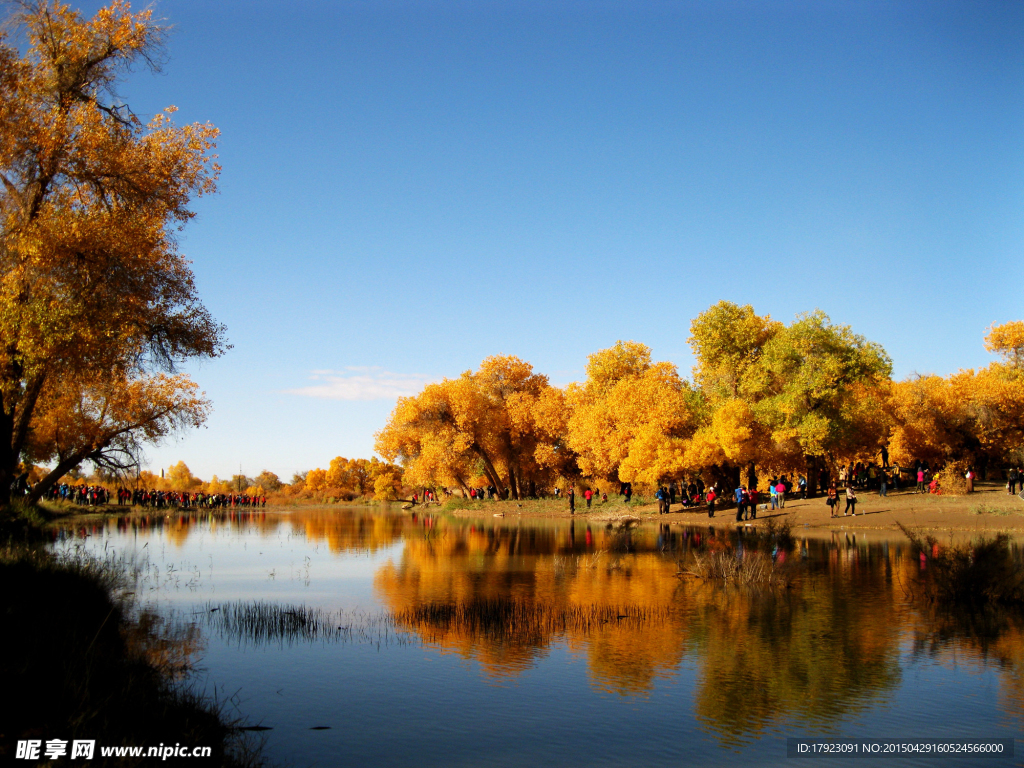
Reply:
x=457 y=502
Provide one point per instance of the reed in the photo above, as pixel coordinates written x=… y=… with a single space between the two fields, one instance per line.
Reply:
x=507 y=619
x=84 y=663
x=262 y=623
x=752 y=568
x=511 y=618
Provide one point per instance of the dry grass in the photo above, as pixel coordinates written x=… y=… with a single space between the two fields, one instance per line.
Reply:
x=754 y=568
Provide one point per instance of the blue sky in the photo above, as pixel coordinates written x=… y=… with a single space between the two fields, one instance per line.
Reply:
x=409 y=187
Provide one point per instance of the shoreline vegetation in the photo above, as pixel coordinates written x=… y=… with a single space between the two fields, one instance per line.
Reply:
x=86 y=662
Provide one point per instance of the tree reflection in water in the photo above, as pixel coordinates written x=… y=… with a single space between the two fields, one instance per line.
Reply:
x=504 y=593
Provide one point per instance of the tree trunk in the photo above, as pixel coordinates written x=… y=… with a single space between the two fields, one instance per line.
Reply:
x=513 y=484
x=813 y=470
x=56 y=474
x=491 y=472
x=751 y=476
x=8 y=458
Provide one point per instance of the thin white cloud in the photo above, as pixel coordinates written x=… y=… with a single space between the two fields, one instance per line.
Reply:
x=370 y=383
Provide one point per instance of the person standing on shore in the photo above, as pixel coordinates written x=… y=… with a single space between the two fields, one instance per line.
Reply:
x=833 y=500
x=1011 y=486
x=588 y=495
x=851 y=501
x=780 y=493
x=711 y=502
x=740 y=504
x=883 y=483
x=572 y=499
x=970 y=480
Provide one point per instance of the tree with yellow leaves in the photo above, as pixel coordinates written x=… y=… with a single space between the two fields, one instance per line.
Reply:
x=820 y=388
x=104 y=420
x=786 y=396
x=972 y=417
x=1007 y=341
x=631 y=420
x=498 y=422
x=91 y=281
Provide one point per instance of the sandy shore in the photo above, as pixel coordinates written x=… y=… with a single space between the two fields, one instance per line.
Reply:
x=989 y=510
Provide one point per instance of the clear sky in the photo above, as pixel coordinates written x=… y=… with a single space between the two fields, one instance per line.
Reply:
x=409 y=187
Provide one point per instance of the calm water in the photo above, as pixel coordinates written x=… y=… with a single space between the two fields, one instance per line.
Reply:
x=618 y=662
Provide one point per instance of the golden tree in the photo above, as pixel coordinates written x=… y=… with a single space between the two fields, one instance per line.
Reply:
x=972 y=417
x=728 y=342
x=1007 y=341
x=496 y=422
x=631 y=419
x=821 y=389
x=91 y=280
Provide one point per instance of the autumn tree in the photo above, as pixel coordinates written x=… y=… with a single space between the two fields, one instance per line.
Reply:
x=91 y=280
x=104 y=420
x=180 y=478
x=785 y=396
x=267 y=480
x=631 y=419
x=494 y=422
x=1007 y=341
x=728 y=342
x=820 y=388
x=972 y=417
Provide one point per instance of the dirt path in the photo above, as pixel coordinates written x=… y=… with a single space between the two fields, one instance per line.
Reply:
x=989 y=510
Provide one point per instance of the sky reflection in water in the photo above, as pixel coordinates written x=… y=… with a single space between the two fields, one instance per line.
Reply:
x=688 y=674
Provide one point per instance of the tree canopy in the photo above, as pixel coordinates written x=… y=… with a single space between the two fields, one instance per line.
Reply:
x=766 y=397
x=93 y=289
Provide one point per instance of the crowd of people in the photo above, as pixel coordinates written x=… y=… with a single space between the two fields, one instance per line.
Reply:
x=97 y=495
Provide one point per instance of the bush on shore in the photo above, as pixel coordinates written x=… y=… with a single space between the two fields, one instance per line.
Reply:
x=77 y=665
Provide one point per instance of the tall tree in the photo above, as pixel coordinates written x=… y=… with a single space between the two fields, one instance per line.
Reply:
x=496 y=422
x=631 y=419
x=821 y=388
x=91 y=280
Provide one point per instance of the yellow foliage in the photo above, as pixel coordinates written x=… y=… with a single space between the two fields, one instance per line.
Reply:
x=977 y=417
x=502 y=422
x=1007 y=341
x=630 y=419
x=92 y=286
x=316 y=480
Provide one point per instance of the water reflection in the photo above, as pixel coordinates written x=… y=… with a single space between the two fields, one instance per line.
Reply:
x=506 y=592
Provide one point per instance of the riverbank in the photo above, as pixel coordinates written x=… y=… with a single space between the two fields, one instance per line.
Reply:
x=81 y=663
x=990 y=509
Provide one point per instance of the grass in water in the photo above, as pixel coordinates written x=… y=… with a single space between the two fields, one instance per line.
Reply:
x=506 y=619
x=754 y=568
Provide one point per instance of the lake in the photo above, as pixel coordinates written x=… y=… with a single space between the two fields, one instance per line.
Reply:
x=368 y=636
